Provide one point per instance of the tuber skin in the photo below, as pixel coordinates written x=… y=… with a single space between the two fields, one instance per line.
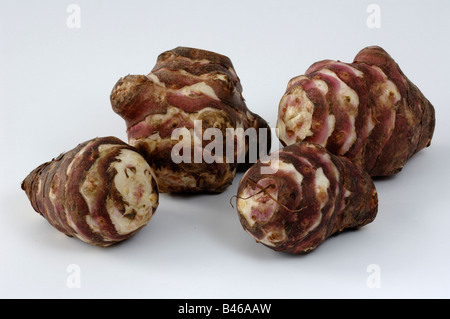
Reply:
x=367 y=111
x=101 y=192
x=312 y=195
x=186 y=85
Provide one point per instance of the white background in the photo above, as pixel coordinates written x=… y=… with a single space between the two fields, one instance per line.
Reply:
x=55 y=83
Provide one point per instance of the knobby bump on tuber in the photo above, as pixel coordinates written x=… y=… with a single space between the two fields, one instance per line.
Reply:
x=101 y=192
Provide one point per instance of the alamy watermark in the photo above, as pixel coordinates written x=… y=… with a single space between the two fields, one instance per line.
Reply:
x=374 y=279
x=223 y=149
x=73 y=20
x=374 y=18
x=73 y=280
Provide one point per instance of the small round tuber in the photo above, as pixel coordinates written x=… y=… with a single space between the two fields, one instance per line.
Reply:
x=311 y=195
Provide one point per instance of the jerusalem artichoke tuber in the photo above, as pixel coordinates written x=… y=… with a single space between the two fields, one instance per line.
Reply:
x=367 y=111
x=312 y=195
x=102 y=191
x=189 y=86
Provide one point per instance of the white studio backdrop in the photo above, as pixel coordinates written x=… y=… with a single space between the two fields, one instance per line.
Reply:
x=59 y=61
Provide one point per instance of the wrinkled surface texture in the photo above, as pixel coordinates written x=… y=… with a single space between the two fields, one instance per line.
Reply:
x=312 y=195
x=186 y=85
x=367 y=111
x=101 y=192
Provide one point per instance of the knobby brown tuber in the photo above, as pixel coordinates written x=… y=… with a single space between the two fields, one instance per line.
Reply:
x=367 y=111
x=311 y=195
x=101 y=192
x=190 y=91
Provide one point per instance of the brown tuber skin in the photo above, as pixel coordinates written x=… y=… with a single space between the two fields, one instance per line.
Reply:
x=186 y=85
x=312 y=195
x=367 y=111
x=101 y=192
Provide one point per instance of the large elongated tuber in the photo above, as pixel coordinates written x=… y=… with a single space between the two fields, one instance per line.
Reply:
x=367 y=111
x=102 y=191
x=312 y=195
x=192 y=90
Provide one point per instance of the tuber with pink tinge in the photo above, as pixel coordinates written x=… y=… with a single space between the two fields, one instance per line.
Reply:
x=190 y=91
x=101 y=192
x=311 y=195
x=367 y=111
